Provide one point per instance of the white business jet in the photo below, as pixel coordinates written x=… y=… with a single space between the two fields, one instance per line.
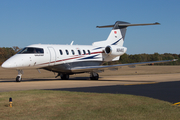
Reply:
x=72 y=59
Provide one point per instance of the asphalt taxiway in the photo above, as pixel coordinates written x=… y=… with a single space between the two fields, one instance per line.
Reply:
x=160 y=86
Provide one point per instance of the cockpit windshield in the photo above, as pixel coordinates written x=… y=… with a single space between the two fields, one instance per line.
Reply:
x=31 y=50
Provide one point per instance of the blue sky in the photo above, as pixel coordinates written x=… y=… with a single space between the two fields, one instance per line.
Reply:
x=25 y=22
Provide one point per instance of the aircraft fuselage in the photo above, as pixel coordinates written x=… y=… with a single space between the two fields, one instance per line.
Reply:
x=58 y=58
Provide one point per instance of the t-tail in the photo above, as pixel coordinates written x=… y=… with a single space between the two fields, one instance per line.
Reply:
x=113 y=46
x=117 y=34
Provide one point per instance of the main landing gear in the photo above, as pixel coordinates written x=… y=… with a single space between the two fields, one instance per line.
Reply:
x=94 y=76
x=63 y=76
x=19 y=78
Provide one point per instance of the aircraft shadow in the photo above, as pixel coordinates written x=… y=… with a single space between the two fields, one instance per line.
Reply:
x=167 y=91
x=88 y=79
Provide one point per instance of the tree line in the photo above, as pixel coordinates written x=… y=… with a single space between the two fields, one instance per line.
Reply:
x=150 y=57
x=7 y=52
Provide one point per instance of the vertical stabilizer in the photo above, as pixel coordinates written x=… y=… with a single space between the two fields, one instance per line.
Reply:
x=116 y=36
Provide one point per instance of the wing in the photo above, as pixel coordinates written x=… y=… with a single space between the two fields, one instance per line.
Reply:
x=111 y=67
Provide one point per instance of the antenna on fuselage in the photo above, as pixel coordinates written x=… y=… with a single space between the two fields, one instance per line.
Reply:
x=72 y=43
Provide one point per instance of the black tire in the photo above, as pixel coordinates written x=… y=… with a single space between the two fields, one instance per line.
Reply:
x=18 y=79
x=96 y=77
x=65 y=77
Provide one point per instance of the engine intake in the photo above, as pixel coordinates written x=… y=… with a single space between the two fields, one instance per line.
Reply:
x=115 y=50
x=108 y=50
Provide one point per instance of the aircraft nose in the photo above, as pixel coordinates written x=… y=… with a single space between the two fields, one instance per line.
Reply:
x=6 y=65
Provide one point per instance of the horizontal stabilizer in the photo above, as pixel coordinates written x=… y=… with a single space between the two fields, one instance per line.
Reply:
x=125 y=24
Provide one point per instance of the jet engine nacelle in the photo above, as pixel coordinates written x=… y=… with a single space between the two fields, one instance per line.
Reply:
x=115 y=50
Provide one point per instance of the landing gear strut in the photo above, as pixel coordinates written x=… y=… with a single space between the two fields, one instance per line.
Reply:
x=94 y=76
x=19 y=78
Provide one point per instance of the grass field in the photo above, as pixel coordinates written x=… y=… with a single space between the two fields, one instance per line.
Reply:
x=11 y=74
x=46 y=105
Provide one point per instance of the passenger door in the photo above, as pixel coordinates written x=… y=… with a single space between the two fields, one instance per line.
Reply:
x=52 y=54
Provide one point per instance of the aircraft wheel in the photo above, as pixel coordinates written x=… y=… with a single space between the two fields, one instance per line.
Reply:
x=64 y=76
x=18 y=79
x=94 y=76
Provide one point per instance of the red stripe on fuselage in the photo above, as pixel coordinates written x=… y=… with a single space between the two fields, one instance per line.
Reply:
x=69 y=58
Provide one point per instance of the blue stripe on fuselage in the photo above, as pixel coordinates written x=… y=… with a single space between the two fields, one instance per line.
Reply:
x=91 y=57
x=98 y=48
x=116 y=42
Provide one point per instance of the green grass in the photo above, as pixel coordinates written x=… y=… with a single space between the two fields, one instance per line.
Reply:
x=46 y=105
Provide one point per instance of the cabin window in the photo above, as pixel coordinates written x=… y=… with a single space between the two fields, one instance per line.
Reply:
x=89 y=52
x=84 y=52
x=79 y=52
x=30 y=50
x=61 y=52
x=67 y=52
x=72 y=52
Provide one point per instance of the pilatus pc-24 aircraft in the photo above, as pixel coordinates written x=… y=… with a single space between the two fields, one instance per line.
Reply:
x=73 y=59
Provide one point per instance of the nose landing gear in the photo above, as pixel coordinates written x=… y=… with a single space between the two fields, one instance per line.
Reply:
x=19 y=78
